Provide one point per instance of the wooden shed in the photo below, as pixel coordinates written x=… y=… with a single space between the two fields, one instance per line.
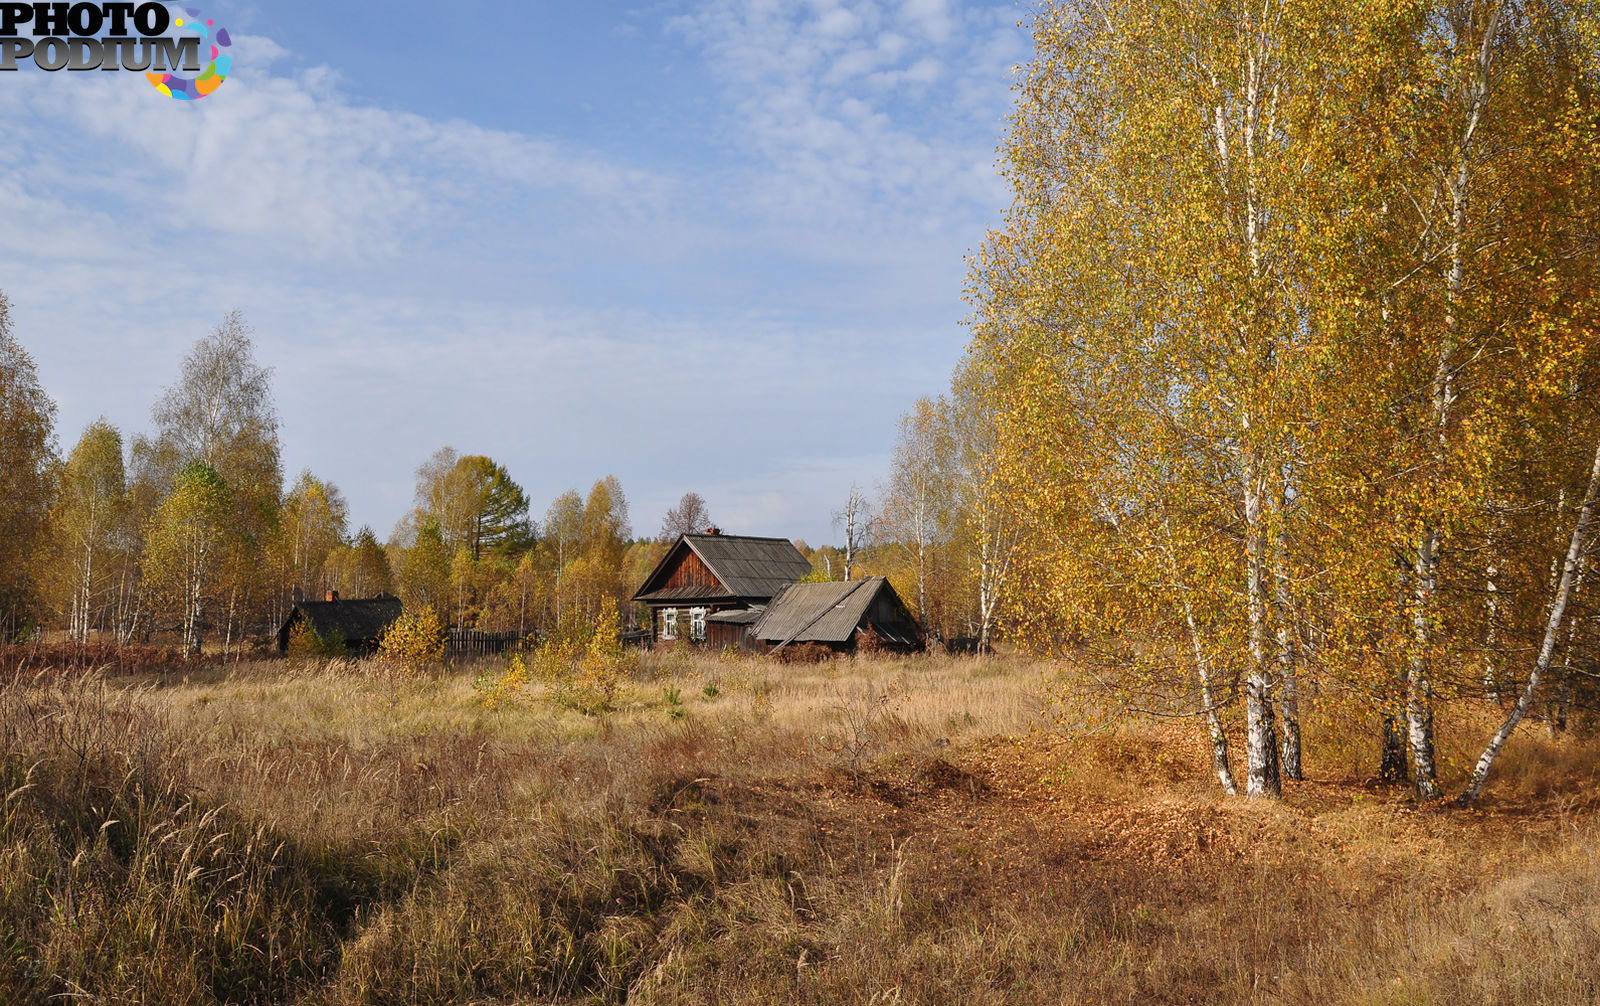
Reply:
x=837 y=614
x=712 y=586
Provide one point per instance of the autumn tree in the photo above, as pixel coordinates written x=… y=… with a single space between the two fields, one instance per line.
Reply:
x=311 y=526
x=27 y=423
x=475 y=504
x=563 y=540
x=855 y=519
x=916 y=498
x=361 y=568
x=689 y=516
x=1289 y=328
x=220 y=413
x=86 y=524
x=187 y=536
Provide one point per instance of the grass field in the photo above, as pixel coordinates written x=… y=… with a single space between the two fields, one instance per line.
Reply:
x=871 y=831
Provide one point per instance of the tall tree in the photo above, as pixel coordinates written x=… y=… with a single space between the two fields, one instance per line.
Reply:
x=475 y=503
x=187 y=533
x=86 y=522
x=690 y=516
x=220 y=413
x=916 y=498
x=360 y=569
x=27 y=451
x=855 y=518
x=563 y=539
x=311 y=526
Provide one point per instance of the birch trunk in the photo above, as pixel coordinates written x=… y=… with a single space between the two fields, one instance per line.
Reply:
x=1419 y=688
x=1262 y=778
x=1547 y=646
x=1419 y=678
x=1491 y=633
x=1288 y=655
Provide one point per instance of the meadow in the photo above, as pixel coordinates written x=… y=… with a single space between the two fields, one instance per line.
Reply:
x=870 y=830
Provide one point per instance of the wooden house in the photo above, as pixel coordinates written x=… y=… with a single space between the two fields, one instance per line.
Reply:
x=712 y=586
x=838 y=614
x=359 y=623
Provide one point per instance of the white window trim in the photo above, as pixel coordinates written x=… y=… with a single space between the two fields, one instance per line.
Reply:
x=669 y=623
x=697 y=624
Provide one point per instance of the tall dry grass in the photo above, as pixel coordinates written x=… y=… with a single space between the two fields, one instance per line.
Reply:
x=876 y=831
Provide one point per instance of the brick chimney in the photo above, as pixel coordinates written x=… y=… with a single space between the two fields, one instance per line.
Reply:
x=713 y=530
x=333 y=595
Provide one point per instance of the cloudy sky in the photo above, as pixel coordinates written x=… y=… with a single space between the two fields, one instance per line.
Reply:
x=699 y=245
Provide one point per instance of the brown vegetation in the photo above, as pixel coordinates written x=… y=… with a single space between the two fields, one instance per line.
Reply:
x=857 y=831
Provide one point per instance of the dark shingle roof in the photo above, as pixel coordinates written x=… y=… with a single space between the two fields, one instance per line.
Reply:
x=819 y=612
x=355 y=621
x=748 y=567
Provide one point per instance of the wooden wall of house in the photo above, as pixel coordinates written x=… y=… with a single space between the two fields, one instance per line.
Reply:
x=721 y=635
x=691 y=572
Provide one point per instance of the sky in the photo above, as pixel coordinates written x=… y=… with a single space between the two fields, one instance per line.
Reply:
x=708 y=246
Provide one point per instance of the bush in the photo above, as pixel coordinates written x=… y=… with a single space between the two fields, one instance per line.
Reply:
x=305 y=643
x=495 y=692
x=586 y=670
x=805 y=653
x=413 y=641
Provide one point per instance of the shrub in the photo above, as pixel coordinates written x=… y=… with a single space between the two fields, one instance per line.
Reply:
x=306 y=643
x=495 y=692
x=413 y=641
x=805 y=653
x=585 y=670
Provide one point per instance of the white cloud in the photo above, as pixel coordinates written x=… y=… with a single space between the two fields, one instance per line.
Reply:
x=419 y=281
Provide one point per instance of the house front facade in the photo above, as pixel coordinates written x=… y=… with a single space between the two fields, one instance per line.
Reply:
x=710 y=588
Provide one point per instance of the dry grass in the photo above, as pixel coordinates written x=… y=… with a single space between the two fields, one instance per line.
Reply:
x=877 y=831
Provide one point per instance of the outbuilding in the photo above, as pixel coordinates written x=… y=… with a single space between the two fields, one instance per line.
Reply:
x=839 y=615
x=359 y=623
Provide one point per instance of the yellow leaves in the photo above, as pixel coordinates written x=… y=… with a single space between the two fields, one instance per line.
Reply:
x=413 y=641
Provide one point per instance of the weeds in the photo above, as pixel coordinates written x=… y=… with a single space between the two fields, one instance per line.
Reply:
x=286 y=835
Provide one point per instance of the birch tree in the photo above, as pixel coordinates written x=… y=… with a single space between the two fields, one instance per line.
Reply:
x=27 y=448
x=913 y=518
x=187 y=534
x=86 y=522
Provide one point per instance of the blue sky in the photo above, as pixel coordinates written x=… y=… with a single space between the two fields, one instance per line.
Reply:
x=713 y=246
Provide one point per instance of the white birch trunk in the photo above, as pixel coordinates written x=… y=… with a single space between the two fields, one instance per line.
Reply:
x=1419 y=687
x=1262 y=778
x=1288 y=652
x=1547 y=646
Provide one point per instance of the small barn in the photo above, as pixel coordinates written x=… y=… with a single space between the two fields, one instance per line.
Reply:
x=359 y=623
x=711 y=586
x=837 y=614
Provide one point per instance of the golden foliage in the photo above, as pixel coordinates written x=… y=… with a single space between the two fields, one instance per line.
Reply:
x=413 y=641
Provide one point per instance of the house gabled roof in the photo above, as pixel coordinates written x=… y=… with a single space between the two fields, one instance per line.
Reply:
x=830 y=612
x=356 y=620
x=748 y=568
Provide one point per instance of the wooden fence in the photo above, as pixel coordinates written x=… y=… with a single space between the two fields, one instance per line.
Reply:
x=472 y=643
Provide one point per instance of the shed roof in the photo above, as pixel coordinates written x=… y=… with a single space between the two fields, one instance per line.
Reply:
x=736 y=616
x=358 y=620
x=746 y=566
x=819 y=612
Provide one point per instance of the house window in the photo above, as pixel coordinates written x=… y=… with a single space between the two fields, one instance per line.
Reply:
x=669 y=623
x=697 y=624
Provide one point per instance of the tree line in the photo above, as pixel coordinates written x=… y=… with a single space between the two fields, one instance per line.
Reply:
x=190 y=531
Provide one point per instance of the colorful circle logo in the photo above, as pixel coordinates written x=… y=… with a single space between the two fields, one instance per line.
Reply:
x=193 y=88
